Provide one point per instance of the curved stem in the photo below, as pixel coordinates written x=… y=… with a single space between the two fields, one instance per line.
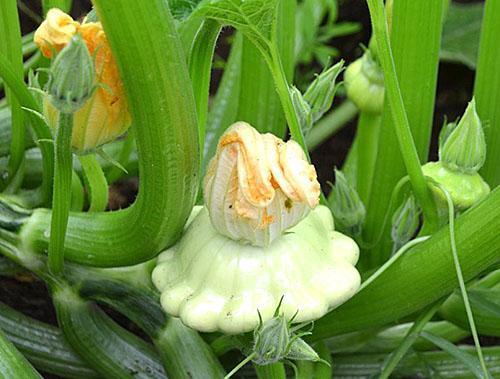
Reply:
x=95 y=181
x=77 y=196
x=61 y=199
x=162 y=105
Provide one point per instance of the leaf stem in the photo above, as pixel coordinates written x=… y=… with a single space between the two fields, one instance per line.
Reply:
x=95 y=181
x=61 y=199
x=461 y=281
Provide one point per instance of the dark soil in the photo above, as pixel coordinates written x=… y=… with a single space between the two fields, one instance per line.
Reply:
x=28 y=295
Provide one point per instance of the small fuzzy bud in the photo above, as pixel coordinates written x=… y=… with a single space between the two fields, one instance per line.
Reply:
x=364 y=81
x=320 y=93
x=302 y=109
x=405 y=222
x=347 y=208
x=72 y=77
x=271 y=341
x=464 y=150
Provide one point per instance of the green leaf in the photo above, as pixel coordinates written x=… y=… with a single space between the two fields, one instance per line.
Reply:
x=468 y=360
x=461 y=31
x=254 y=18
x=182 y=9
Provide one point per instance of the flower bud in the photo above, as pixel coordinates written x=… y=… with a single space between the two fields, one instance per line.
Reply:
x=257 y=186
x=320 y=93
x=271 y=340
x=364 y=81
x=405 y=222
x=71 y=77
x=302 y=109
x=464 y=189
x=105 y=116
x=464 y=150
x=445 y=132
x=347 y=208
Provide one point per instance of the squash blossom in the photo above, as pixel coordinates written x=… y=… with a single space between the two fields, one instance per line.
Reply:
x=260 y=237
x=105 y=116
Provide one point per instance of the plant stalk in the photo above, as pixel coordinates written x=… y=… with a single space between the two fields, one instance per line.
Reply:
x=61 y=199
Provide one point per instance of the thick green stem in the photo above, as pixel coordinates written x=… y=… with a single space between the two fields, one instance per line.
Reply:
x=141 y=35
x=487 y=90
x=271 y=371
x=12 y=362
x=11 y=48
x=200 y=69
x=367 y=139
x=411 y=287
x=410 y=77
x=95 y=181
x=61 y=199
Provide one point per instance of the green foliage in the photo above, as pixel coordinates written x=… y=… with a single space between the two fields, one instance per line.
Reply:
x=461 y=31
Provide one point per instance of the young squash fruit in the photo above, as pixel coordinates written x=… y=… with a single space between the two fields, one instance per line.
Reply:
x=261 y=237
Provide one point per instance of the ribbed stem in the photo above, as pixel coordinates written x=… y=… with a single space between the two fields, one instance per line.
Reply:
x=12 y=362
x=162 y=105
x=200 y=69
x=271 y=371
x=61 y=199
x=95 y=181
x=11 y=48
x=40 y=128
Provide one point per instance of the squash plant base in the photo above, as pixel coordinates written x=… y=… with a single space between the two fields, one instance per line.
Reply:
x=216 y=284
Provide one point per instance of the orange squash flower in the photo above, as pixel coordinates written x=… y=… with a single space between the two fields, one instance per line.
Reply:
x=105 y=116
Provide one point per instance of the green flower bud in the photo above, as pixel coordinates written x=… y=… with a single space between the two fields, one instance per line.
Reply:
x=271 y=339
x=347 y=208
x=464 y=150
x=465 y=189
x=364 y=81
x=445 y=132
x=72 y=77
x=302 y=109
x=405 y=222
x=320 y=93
